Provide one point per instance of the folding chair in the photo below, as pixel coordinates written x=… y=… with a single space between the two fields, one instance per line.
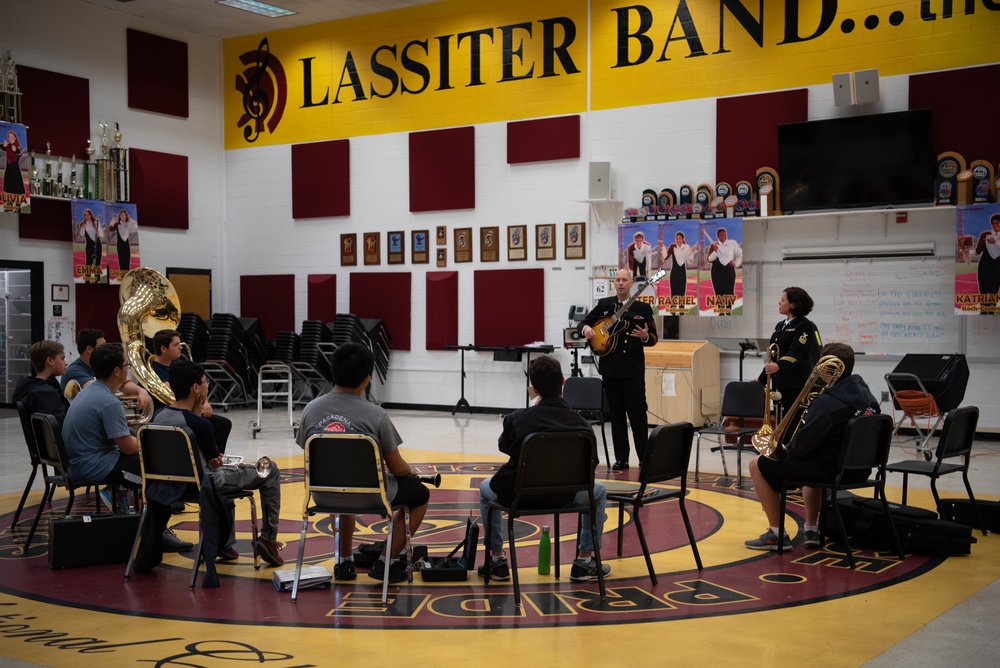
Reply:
x=346 y=470
x=52 y=453
x=585 y=395
x=166 y=454
x=551 y=463
x=865 y=446
x=739 y=400
x=667 y=456
x=29 y=440
x=957 y=435
x=916 y=403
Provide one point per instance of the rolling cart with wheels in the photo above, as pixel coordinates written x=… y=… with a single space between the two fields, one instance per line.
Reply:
x=274 y=381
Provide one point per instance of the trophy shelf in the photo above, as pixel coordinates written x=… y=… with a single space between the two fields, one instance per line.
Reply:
x=837 y=215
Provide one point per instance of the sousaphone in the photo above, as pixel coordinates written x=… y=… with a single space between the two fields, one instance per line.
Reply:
x=149 y=304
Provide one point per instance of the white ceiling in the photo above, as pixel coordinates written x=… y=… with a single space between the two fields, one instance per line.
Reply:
x=209 y=18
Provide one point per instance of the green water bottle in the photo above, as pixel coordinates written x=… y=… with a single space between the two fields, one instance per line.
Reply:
x=544 y=552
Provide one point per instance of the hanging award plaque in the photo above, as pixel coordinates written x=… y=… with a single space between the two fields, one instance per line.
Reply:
x=517 y=242
x=489 y=244
x=397 y=248
x=463 y=244
x=349 y=250
x=373 y=253
x=418 y=244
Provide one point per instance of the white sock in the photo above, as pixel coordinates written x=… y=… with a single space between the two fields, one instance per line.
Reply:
x=774 y=529
x=811 y=527
x=382 y=558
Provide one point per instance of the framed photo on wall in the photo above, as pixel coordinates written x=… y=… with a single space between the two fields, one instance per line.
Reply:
x=489 y=244
x=575 y=241
x=373 y=254
x=418 y=246
x=60 y=293
x=545 y=242
x=349 y=250
x=517 y=242
x=397 y=248
x=463 y=244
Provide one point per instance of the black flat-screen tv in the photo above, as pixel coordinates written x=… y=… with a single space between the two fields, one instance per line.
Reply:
x=859 y=161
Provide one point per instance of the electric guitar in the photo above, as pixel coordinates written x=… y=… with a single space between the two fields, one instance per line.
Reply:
x=608 y=328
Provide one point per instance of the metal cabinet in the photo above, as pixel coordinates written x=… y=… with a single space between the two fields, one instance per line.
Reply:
x=15 y=330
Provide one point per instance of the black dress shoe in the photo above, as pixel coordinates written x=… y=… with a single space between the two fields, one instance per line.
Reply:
x=619 y=466
x=171 y=543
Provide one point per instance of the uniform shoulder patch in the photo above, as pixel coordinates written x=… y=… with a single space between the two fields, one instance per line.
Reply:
x=803 y=338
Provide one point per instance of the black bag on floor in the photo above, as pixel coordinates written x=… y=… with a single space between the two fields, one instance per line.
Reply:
x=451 y=568
x=920 y=531
x=961 y=511
x=92 y=540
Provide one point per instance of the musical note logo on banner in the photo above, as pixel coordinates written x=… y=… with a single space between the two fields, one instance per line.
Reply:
x=265 y=90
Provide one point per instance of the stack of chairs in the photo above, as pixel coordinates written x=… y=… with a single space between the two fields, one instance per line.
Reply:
x=228 y=362
x=194 y=332
x=256 y=345
x=285 y=347
x=381 y=343
x=314 y=344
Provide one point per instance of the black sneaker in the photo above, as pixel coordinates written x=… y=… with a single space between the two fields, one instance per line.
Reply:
x=812 y=538
x=345 y=571
x=171 y=543
x=585 y=571
x=768 y=541
x=396 y=574
x=499 y=570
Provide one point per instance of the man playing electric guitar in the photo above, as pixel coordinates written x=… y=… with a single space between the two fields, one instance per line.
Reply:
x=623 y=368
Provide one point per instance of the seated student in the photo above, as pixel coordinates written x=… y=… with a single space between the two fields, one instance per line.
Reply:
x=345 y=410
x=813 y=452
x=166 y=351
x=551 y=413
x=190 y=387
x=79 y=373
x=41 y=393
x=100 y=445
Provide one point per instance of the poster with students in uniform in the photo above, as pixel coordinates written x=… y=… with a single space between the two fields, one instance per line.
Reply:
x=678 y=250
x=636 y=253
x=90 y=260
x=720 y=276
x=977 y=259
x=123 y=240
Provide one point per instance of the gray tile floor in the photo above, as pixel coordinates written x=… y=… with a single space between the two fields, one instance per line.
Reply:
x=967 y=635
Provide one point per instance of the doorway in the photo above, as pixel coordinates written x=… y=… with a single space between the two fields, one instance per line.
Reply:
x=21 y=320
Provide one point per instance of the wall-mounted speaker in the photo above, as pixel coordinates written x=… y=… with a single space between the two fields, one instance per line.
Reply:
x=866 y=86
x=600 y=180
x=843 y=89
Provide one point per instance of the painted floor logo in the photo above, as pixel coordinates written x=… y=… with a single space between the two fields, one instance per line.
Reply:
x=734 y=581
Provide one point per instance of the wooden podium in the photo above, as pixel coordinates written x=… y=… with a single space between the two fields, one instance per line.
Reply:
x=682 y=382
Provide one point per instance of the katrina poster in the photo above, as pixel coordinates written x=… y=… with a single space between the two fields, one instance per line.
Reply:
x=977 y=259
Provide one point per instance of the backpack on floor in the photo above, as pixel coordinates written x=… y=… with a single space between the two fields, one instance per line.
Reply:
x=920 y=531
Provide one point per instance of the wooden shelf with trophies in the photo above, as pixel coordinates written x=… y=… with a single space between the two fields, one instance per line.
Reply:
x=103 y=178
x=682 y=382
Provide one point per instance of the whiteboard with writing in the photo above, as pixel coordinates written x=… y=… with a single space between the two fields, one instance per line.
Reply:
x=886 y=305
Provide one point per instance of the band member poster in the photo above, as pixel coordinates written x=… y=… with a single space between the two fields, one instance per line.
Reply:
x=977 y=260
x=90 y=260
x=123 y=241
x=15 y=194
x=635 y=252
x=720 y=278
x=678 y=250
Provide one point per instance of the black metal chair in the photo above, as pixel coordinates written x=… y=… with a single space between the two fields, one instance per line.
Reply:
x=865 y=446
x=166 y=454
x=52 y=454
x=957 y=435
x=29 y=440
x=739 y=400
x=585 y=395
x=550 y=464
x=345 y=471
x=667 y=456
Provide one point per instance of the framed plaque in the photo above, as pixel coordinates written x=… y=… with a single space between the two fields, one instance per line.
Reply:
x=442 y=235
x=545 y=242
x=373 y=254
x=489 y=244
x=463 y=244
x=60 y=293
x=349 y=250
x=442 y=257
x=397 y=248
x=576 y=237
x=517 y=242
x=418 y=246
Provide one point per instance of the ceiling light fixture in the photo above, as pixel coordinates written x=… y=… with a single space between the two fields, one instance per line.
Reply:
x=261 y=8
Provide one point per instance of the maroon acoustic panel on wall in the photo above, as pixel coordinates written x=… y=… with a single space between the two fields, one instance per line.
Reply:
x=49 y=220
x=97 y=307
x=56 y=109
x=270 y=299
x=955 y=126
x=443 y=169
x=746 y=131
x=509 y=307
x=543 y=139
x=442 y=309
x=322 y=297
x=158 y=186
x=385 y=297
x=321 y=179
x=157 y=73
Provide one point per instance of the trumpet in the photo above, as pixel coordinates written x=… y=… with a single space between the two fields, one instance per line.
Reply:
x=764 y=433
x=826 y=372
x=263 y=465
